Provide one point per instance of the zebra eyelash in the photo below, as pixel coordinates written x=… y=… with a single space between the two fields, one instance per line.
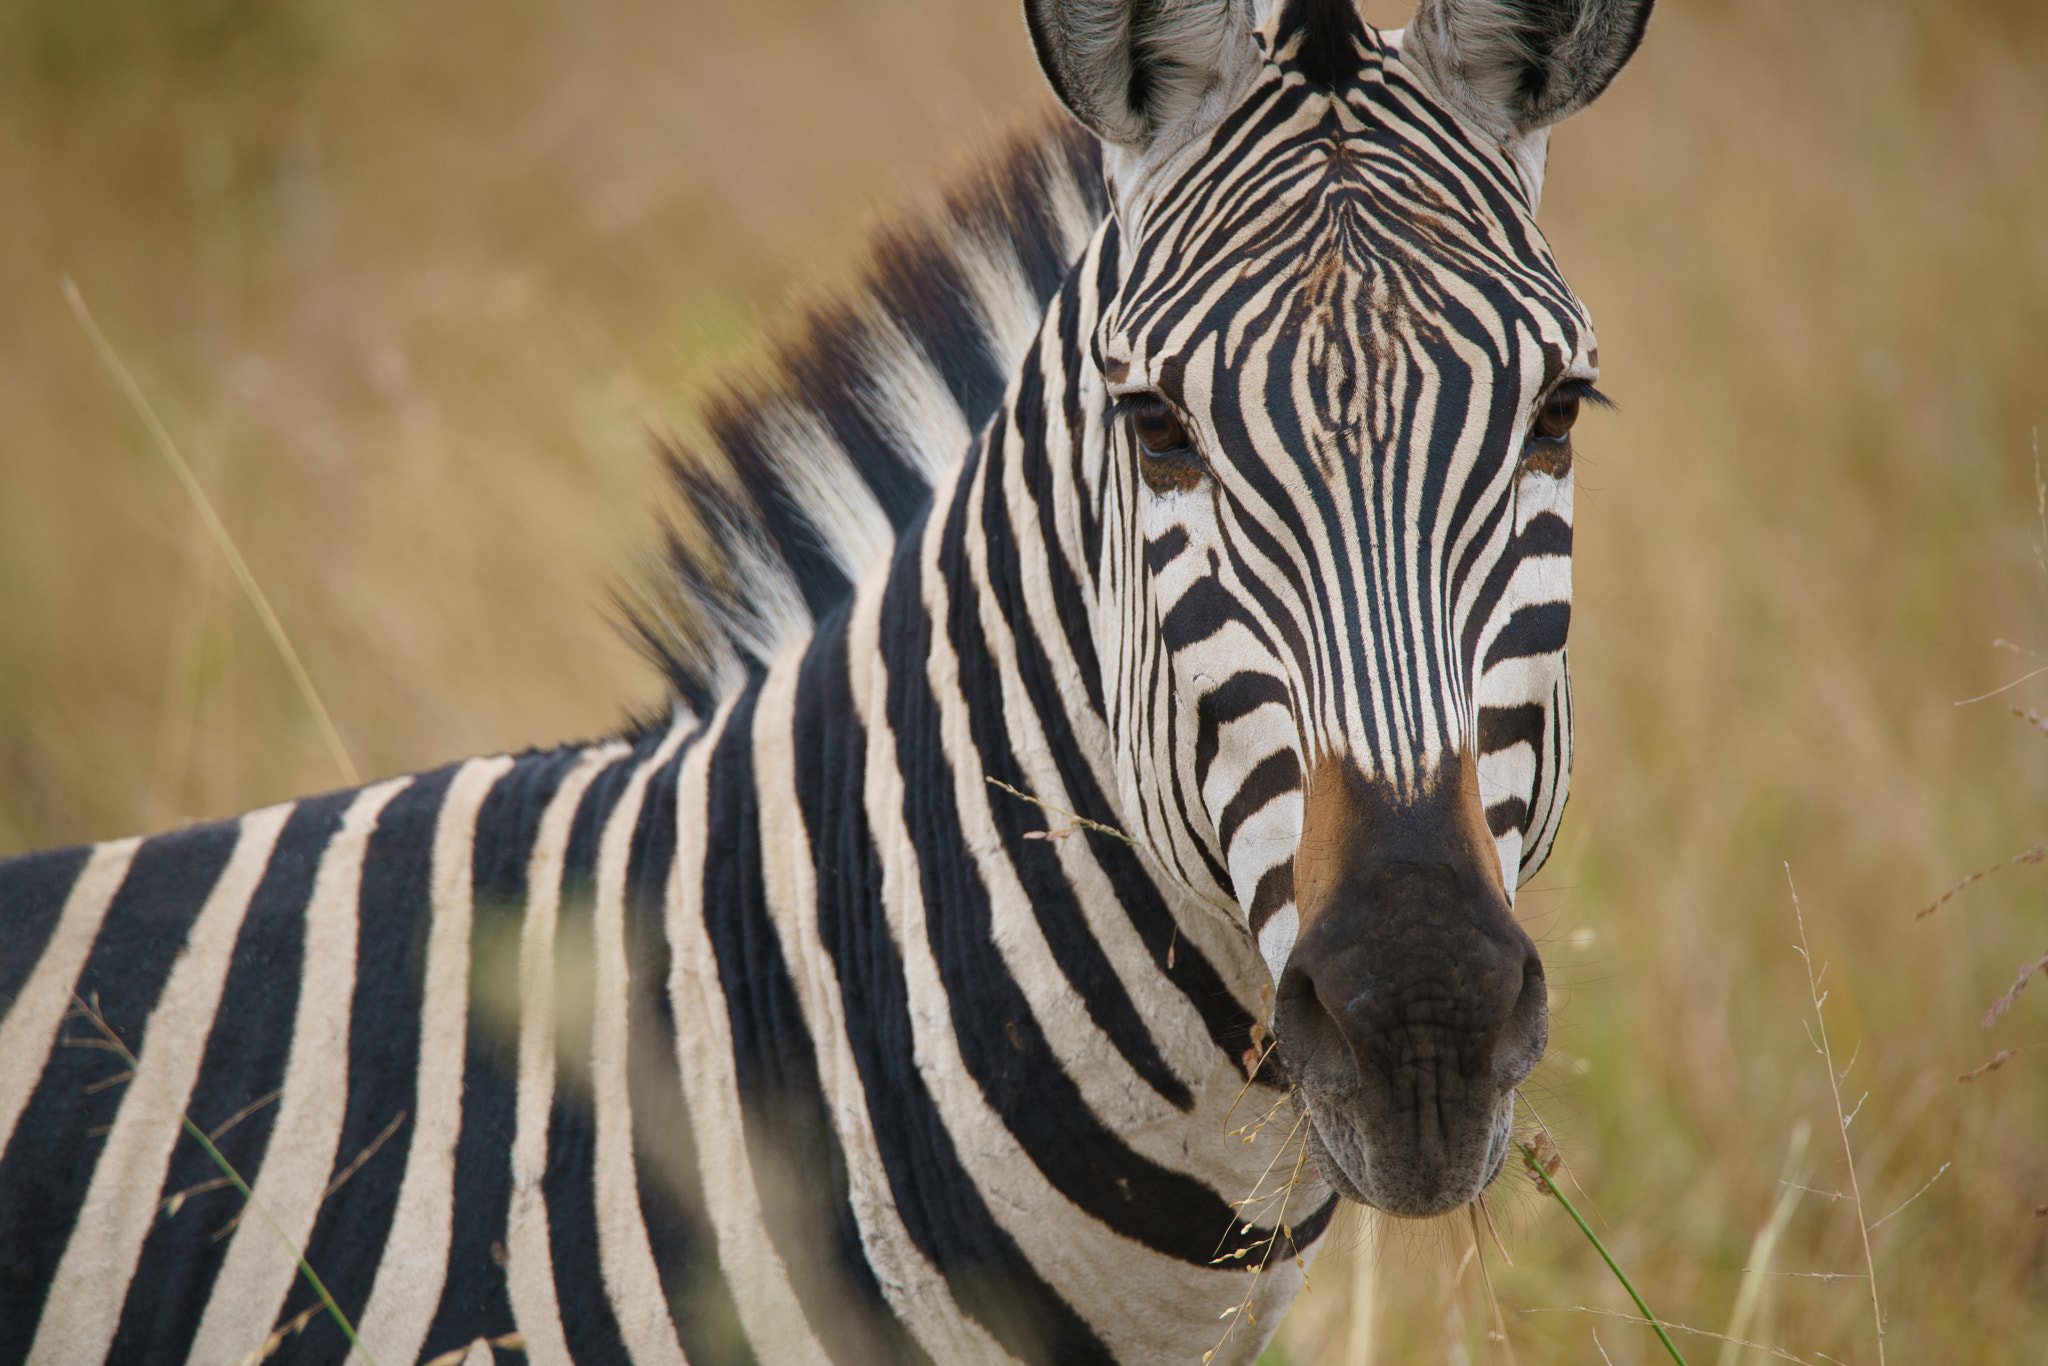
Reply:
x=1120 y=409
x=1583 y=391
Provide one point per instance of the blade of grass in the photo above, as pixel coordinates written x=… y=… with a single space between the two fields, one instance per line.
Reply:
x=218 y=531
x=1536 y=1166
x=113 y=1041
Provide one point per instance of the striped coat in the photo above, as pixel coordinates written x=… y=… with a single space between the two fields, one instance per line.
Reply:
x=908 y=992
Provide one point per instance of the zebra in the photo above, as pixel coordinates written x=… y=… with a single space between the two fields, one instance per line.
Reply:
x=1118 y=657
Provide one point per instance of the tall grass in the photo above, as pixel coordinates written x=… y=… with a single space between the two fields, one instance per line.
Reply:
x=410 y=283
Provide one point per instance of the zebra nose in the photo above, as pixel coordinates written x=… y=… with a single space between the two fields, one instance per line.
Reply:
x=1414 y=973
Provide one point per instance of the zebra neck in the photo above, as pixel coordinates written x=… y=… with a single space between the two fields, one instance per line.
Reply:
x=961 y=692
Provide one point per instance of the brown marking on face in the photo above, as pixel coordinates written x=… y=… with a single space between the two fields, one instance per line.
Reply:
x=1177 y=473
x=1553 y=458
x=1341 y=820
x=1470 y=807
x=1116 y=371
x=1333 y=824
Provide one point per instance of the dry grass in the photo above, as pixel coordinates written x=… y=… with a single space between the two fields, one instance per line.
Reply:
x=408 y=283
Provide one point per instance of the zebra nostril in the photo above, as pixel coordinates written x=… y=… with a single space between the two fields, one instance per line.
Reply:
x=1527 y=1031
x=1311 y=1037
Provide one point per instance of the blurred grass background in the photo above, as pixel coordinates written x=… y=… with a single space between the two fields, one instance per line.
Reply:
x=411 y=284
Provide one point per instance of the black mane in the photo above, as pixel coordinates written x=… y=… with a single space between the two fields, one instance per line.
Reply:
x=832 y=448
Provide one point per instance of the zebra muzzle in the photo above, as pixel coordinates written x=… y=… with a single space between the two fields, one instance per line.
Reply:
x=1413 y=1004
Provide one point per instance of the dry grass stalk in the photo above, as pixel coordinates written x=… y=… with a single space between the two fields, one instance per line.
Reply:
x=216 y=529
x=2004 y=1003
x=1241 y=1311
x=1780 y=1353
x=2033 y=855
x=1998 y=1060
x=509 y=1342
x=1826 y=1050
x=1500 y=1327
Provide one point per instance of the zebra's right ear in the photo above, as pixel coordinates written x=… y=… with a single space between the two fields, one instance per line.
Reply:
x=1143 y=73
x=1517 y=66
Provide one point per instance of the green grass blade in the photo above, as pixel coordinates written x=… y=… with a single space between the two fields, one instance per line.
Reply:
x=1657 y=1325
x=235 y=1179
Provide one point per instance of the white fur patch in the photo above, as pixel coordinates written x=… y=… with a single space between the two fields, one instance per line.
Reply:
x=1276 y=941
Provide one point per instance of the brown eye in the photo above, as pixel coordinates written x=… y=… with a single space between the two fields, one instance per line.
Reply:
x=1560 y=411
x=1158 y=430
x=1549 y=448
x=1166 y=458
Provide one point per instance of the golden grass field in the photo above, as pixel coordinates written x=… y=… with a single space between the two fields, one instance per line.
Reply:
x=410 y=285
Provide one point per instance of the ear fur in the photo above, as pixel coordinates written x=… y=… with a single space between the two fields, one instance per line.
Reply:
x=1517 y=66
x=1137 y=72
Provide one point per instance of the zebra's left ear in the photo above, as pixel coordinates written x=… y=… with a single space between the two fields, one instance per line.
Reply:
x=1144 y=75
x=1517 y=66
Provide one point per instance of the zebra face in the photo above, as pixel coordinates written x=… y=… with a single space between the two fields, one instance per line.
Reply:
x=1342 y=370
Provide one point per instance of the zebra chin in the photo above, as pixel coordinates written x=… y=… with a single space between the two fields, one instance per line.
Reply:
x=1371 y=1171
x=1412 y=1004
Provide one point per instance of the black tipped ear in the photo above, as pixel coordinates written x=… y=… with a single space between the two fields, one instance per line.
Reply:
x=1514 y=66
x=1134 y=70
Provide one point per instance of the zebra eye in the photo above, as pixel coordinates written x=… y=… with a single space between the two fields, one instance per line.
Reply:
x=1549 y=448
x=1158 y=430
x=1166 y=458
x=1560 y=411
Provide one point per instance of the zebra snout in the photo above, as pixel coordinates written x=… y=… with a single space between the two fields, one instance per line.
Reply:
x=1409 y=1012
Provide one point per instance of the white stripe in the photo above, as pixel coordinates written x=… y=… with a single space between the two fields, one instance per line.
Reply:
x=632 y=1280
x=529 y=1260
x=768 y=1308
x=394 y=1323
x=299 y=1159
x=1276 y=940
x=30 y=1029
x=919 y=410
x=83 y=1309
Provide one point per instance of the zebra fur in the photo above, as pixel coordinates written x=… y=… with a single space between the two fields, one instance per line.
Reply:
x=784 y=1029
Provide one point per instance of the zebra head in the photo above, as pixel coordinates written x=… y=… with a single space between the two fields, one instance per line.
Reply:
x=1340 y=371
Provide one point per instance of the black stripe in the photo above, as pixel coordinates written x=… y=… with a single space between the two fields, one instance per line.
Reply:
x=33 y=890
x=474 y=1301
x=245 y=1060
x=836 y=345
x=1503 y=816
x=1276 y=774
x=588 y=1321
x=1235 y=698
x=1275 y=889
x=569 y=1184
x=1531 y=631
x=798 y=1165
x=395 y=915
x=1502 y=727
x=1546 y=534
x=941 y=1209
x=927 y=293
x=50 y=1157
x=1205 y=608
x=1161 y=551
